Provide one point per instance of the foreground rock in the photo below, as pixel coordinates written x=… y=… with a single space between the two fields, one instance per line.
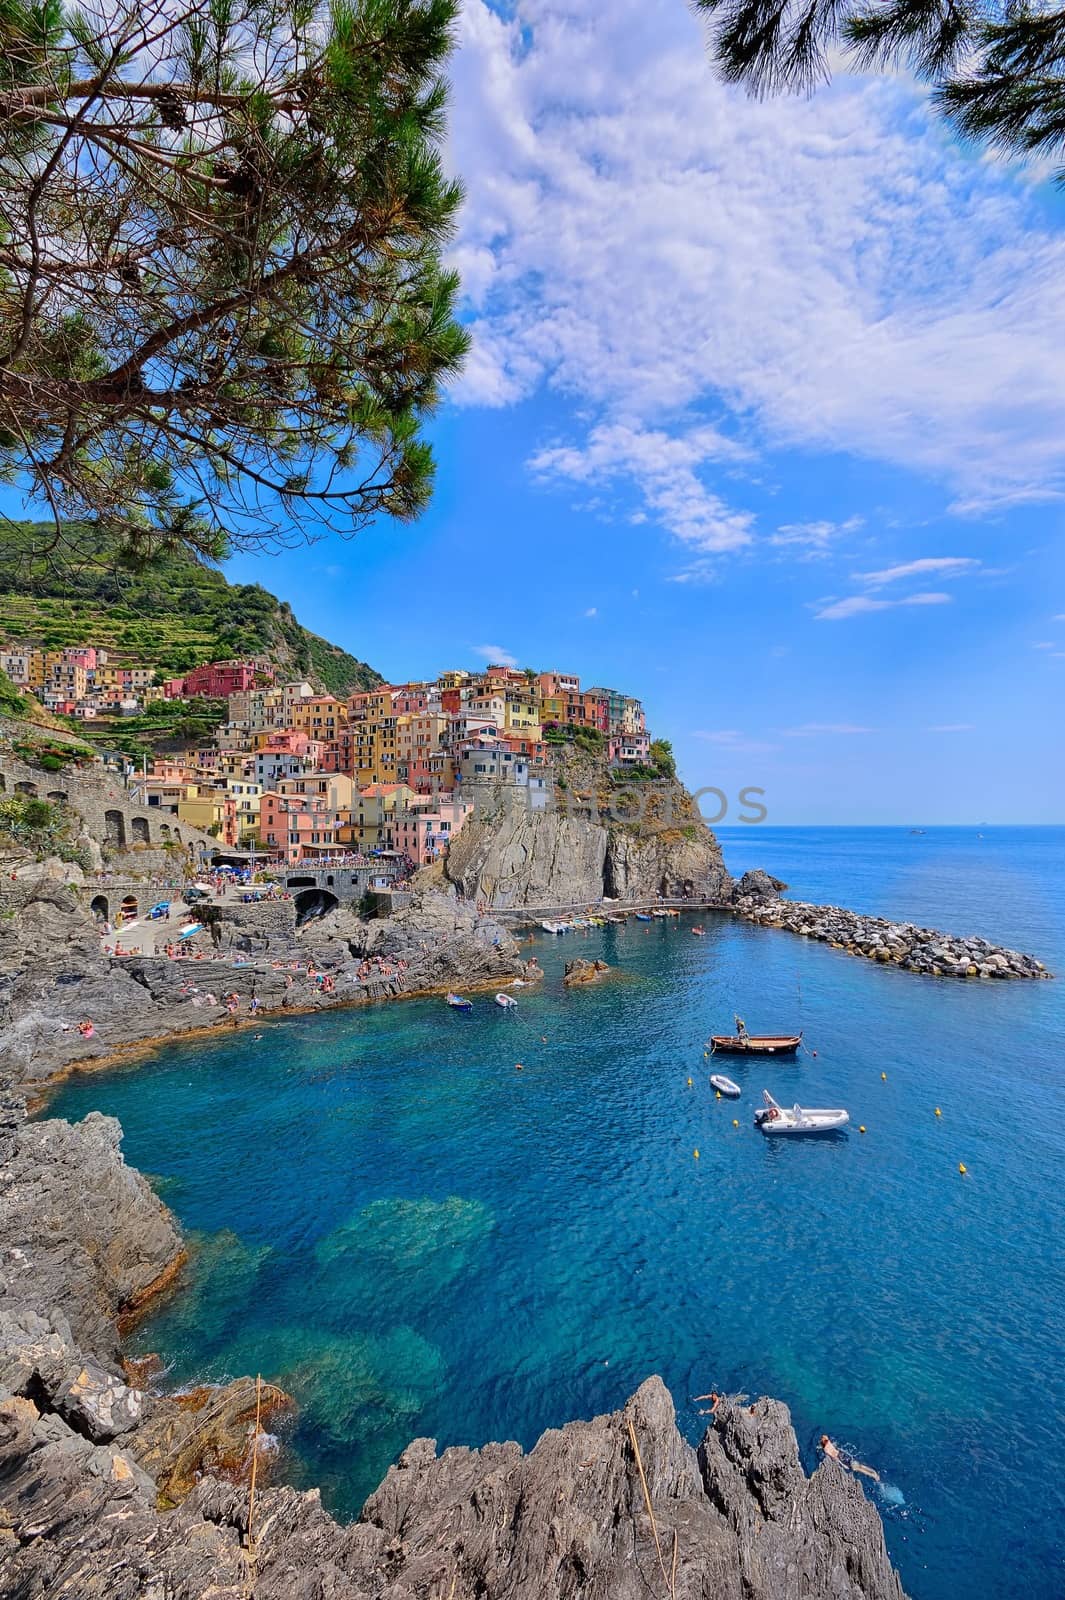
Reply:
x=740 y=1519
x=900 y=944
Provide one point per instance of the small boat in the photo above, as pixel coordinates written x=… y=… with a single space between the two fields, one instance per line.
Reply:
x=506 y=1001
x=458 y=1002
x=755 y=1044
x=643 y=916
x=700 y=933
x=772 y=1118
x=724 y=1085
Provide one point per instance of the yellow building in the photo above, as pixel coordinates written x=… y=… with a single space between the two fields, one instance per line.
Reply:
x=372 y=817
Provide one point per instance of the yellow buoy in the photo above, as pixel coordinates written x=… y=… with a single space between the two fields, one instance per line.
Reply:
x=696 y=1154
x=938 y=1112
x=962 y=1168
x=884 y=1076
x=861 y=1127
x=717 y=1094
x=689 y=1083
x=735 y=1122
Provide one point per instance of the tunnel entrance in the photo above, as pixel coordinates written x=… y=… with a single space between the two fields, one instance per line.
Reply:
x=313 y=903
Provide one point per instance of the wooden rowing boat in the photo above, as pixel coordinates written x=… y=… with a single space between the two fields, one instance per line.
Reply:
x=755 y=1044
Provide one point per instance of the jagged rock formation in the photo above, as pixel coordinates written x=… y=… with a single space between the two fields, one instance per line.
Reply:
x=899 y=944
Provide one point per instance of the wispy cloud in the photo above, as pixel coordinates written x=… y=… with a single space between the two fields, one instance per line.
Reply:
x=810 y=730
x=592 y=611
x=633 y=241
x=666 y=470
x=941 y=567
x=952 y=727
x=732 y=739
x=495 y=655
x=856 y=604
x=814 y=539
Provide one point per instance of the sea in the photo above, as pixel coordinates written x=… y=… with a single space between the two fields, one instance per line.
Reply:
x=479 y=1226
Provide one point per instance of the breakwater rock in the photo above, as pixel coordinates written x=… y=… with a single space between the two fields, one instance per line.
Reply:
x=899 y=944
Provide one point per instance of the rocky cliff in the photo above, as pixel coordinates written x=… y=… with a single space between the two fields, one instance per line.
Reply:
x=601 y=834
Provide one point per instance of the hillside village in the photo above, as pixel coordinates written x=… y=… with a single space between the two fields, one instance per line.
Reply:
x=299 y=776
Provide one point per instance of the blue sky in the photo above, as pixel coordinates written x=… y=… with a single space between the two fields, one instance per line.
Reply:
x=765 y=422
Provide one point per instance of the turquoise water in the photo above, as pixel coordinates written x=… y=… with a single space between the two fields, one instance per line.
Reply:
x=415 y=1238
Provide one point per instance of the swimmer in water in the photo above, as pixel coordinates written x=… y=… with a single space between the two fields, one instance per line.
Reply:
x=846 y=1460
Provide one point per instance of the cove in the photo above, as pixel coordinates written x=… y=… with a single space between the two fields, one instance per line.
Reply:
x=415 y=1238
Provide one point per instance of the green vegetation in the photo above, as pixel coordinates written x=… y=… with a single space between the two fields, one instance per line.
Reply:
x=39 y=827
x=224 y=315
x=176 y=724
x=172 y=615
x=663 y=759
x=997 y=71
x=51 y=754
x=589 y=739
x=12 y=704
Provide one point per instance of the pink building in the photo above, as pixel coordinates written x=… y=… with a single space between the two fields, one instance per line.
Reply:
x=215 y=681
x=299 y=827
x=424 y=832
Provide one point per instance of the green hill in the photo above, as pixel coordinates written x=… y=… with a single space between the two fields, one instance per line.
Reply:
x=173 y=615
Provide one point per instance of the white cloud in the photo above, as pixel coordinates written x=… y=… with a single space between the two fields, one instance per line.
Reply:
x=810 y=730
x=1045 y=644
x=952 y=727
x=495 y=655
x=942 y=567
x=814 y=538
x=665 y=469
x=824 y=273
x=732 y=739
x=856 y=604
x=592 y=611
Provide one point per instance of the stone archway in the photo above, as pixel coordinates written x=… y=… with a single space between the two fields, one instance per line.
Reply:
x=26 y=788
x=312 y=903
x=164 y=830
x=140 y=830
x=58 y=796
x=130 y=908
x=99 y=907
x=114 y=828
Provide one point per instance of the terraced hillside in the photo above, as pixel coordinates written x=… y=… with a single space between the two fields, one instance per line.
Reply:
x=172 y=615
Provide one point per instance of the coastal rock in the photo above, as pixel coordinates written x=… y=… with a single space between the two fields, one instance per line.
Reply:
x=758 y=885
x=83 y=1239
x=569 y=1518
x=581 y=971
x=96 y=1403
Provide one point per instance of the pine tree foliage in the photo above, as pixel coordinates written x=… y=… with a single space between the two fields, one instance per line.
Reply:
x=997 y=70
x=223 y=313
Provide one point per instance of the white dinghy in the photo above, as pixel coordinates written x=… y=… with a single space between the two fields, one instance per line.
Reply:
x=724 y=1085
x=772 y=1118
x=506 y=1001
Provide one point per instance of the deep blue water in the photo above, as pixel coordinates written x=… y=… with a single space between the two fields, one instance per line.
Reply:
x=417 y=1239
